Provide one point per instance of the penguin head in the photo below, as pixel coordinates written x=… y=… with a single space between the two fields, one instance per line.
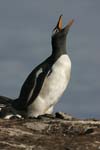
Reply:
x=59 y=34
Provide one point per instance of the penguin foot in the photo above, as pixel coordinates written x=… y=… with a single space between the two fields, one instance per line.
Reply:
x=46 y=116
x=11 y=116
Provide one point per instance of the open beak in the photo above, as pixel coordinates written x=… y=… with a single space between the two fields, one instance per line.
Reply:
x=69 y=24
x=59 y=24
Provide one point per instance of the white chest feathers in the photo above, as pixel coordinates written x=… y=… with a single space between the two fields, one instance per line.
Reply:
x=53 y=87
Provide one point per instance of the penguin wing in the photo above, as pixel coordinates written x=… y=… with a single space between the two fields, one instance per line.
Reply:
x=39 y=80
x=33 y=84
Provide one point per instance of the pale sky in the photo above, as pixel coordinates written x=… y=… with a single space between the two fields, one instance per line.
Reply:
x=25 y=41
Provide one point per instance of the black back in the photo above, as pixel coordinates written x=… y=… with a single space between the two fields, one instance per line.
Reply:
x=33 y=82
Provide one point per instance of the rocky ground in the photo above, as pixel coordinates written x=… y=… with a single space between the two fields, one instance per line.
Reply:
x=59 y=132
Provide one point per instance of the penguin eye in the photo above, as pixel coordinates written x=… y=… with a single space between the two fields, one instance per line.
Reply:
x=55 y=31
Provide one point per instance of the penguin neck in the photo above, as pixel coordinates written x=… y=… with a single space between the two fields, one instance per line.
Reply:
x=58 y=51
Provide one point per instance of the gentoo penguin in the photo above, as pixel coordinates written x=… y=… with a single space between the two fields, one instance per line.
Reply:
x=46 y=83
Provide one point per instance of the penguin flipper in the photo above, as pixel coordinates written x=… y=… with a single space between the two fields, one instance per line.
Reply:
x=36 y=89
x=33 y=83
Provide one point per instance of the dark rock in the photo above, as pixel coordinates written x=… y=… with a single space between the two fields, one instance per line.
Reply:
x=62 y=115
x=89 y=131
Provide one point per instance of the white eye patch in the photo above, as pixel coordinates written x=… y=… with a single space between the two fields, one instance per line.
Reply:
x=55 y=31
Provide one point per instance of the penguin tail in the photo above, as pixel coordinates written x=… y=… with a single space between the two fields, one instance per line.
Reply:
x=6 y=109
x=10 y=108
x=5 y=100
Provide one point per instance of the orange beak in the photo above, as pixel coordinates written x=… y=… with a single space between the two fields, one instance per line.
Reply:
x=69 y=23
x=59 y=24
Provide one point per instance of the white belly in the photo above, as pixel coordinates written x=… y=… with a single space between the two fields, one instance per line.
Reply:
x=53 y=87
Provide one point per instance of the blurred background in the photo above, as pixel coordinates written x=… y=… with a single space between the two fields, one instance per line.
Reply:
x=25 y=41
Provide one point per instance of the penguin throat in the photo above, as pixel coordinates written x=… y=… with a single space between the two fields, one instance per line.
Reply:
x=59 y=45
x=58 y=50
